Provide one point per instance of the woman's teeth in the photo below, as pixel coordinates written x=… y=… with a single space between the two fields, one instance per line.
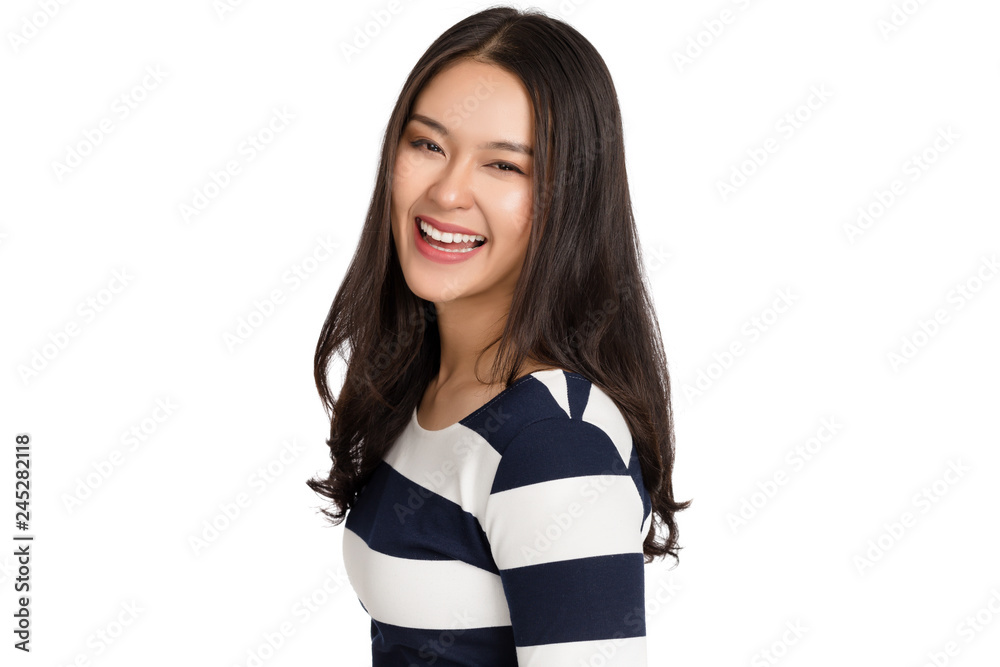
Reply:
x=445 y=238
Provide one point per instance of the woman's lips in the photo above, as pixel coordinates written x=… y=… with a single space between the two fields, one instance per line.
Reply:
x=437 y=255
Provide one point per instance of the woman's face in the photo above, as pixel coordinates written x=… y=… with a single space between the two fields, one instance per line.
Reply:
x=463 y=165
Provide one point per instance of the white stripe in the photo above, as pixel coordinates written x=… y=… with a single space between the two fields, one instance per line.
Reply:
x=560 y=519
x=459 y=466
x=620 y=652
x=426 y=594
x=647 y=522
x=555 y=381
x=602 y=412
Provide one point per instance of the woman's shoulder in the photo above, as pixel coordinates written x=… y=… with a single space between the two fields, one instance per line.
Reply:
x=561 y=417
x=567 y=440
x=564 y=396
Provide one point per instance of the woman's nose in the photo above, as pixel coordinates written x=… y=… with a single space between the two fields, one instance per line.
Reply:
x=453 y=187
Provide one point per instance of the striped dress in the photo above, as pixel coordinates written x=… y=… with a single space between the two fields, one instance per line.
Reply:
x=511 y=537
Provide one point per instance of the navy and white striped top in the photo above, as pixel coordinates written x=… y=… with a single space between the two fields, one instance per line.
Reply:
x=511 y=537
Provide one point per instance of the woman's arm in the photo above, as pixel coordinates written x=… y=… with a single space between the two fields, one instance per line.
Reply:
x=566 y=519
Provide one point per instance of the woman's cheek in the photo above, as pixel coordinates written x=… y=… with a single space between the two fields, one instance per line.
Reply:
x=406 y=163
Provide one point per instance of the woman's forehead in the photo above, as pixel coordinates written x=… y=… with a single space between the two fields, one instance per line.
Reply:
x=470 y=100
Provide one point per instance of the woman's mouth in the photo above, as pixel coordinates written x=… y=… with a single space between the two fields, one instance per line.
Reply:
x=448 y=242
x=441 y=250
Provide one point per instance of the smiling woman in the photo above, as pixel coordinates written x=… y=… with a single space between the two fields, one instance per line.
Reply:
x=505 y=519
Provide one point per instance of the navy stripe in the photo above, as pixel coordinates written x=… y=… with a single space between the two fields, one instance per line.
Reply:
x=395 y=646
x=527 y=400
x=557 y=448
x=404 y=519
x=578 y=393
x=554 y=602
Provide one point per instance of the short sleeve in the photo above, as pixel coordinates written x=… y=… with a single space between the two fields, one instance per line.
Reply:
x=564 y=520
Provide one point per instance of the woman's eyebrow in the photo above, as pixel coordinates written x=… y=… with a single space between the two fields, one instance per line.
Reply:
x=514 y=146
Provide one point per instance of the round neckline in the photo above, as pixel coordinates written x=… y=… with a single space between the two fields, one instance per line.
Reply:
x=420 y=429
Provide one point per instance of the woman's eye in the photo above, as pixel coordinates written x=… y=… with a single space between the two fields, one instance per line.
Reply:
x=506 y=166
x=424 y=142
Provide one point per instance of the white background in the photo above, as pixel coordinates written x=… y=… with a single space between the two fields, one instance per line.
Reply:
x=715 y=263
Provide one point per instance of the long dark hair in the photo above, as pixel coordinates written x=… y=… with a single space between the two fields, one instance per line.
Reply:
x=580 y=303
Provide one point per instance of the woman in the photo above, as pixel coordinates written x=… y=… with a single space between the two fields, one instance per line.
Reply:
x=501 y=517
